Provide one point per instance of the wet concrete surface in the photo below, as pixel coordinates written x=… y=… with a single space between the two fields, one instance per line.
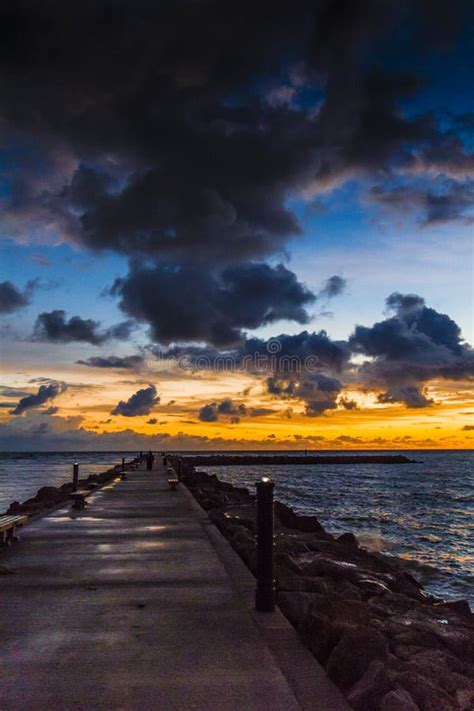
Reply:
x=127 y=605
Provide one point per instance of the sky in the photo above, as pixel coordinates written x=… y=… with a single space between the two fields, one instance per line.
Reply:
x=236 y=225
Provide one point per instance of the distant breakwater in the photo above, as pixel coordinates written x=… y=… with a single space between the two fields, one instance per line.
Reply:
x=385 y=642
x=222 y=460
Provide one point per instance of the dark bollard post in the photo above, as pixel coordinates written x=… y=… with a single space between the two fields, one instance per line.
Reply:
x=75 y=476
x=123 y=463
x=265 y=593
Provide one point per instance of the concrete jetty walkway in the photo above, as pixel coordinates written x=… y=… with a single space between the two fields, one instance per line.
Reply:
x=138 y=603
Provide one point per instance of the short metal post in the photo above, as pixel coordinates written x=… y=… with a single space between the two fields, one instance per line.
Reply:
x=75 y=476
x=123 y=463
x=265 y=592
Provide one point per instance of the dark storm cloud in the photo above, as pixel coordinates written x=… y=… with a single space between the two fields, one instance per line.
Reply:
x=176 y=133
x=261 y=411
x=227 y=407
x=348 y=404
x=54 y=326
x=318 y=391
x=283 y=353
x=415 y=331
x=412 y=395
x=12 y=299
x=168 y=118
x=299 y=351
x=208 y=413
x=403 y=303
x=449 y=156
x=334 y=286
x=452 y=201
x=120 y=331
x=125 y=363
x=191 y=304
x=415 y=345
x=141 y=403
x=51 y=410
x=44 y=394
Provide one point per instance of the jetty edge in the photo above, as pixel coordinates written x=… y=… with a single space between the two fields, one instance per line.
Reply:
x=222 y=460
x=384 y=641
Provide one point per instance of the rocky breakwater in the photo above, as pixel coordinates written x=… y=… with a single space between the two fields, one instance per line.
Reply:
x=49 y=497
x=382 y=639
x=223 y=460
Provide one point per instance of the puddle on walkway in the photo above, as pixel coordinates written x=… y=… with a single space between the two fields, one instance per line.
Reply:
x=72 y=517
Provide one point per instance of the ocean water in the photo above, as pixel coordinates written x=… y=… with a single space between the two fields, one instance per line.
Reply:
x=422 y=512
x=23 y=473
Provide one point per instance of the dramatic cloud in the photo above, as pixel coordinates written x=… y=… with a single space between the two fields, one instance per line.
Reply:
x=208 y=413
x=141 y=403
x=319 y=392
x=190 y=143
x=44 y=394
x=284 y=353
x=56 y=328
x=211 y=412
x=116 y=362
x=297 y=353
x=437 y=204
x=449 y=157
x=347 y=404
x=261 y=411
x=51 y=410
x=414 y=346
x=406 y=351
x=11 y=299
x=191 y=304
x=229 y=407
x=334 y=286
x=404 y=303
x=206 y=170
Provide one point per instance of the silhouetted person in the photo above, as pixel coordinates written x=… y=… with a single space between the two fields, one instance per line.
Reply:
x=149 y=461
